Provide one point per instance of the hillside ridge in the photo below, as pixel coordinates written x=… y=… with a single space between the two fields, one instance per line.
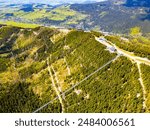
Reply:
x=67 y=70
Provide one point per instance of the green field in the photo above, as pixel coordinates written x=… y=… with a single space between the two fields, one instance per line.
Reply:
x=19 y=24
x=57 y=14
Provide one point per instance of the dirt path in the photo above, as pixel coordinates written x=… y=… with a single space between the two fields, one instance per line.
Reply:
x=69 y=71
x=54 y=85
x=143 y=86
x=58 y=90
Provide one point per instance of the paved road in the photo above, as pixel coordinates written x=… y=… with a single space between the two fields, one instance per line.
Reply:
x=130 y=55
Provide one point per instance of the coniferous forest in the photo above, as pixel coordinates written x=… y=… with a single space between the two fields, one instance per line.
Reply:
x=39 y=64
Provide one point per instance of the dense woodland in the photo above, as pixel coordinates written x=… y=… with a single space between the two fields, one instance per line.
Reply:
x=146 y=77
x=113 y=89
x=26 y=82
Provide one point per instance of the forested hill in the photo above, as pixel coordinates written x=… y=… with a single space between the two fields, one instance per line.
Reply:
x=138 y=3
x=86 y=71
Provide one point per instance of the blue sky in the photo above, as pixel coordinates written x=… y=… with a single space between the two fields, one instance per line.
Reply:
x=47 y=1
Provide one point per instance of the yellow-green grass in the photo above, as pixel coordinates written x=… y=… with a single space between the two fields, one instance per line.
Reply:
x=76 y=18
x=65 y=10
x=57 y=14
x=96 y=28
x=60 y=13
x=102 y=14
x=19 y=24
x=32 y=15
x=72 y=22
x=4 y=54
x=9 y=76
x=62 y=73
x=38 y=14
x=23 y=41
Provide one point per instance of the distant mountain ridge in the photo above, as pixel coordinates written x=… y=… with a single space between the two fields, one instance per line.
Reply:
x=140 y=3
x=111 y=16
